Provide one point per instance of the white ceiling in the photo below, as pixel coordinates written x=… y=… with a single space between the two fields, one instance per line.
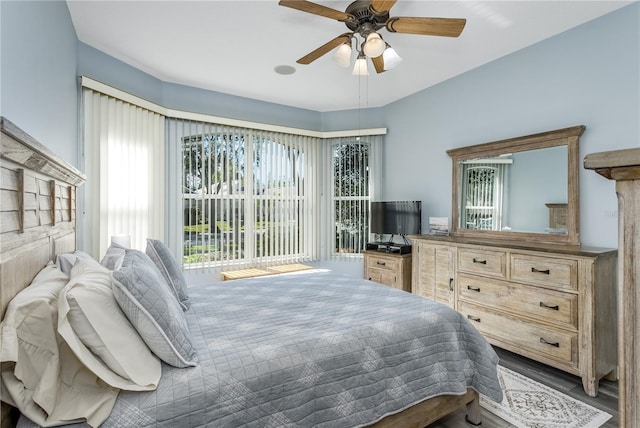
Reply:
x=234 y=46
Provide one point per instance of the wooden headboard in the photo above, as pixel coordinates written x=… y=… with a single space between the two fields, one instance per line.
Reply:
x=37 y=213
x=38 y=209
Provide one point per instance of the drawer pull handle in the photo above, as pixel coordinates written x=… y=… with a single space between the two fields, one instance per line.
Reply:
x=381 y=263
x=546 y=271
x=482 y=262
x=476 y=319
x=556 y=344
x=473 y=288
x=554 y=307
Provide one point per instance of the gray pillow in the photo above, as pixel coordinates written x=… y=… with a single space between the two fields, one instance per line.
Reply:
x=170 y=269
x=114 y=257
x=147 y=302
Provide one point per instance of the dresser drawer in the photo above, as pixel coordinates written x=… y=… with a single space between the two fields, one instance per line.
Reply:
x=485 y=262
x=382 y=277
x=384 y=263
x=550 y=272
x=523 y=336
x=544 y=305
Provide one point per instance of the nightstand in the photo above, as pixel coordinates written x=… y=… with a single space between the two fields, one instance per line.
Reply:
x=389 y=269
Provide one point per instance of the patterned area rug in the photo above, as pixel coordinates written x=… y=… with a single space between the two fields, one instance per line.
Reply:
x=529 y=404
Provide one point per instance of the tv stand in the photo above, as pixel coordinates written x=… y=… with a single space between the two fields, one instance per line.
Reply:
x=389 y=247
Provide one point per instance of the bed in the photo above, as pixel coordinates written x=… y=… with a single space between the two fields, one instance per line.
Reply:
x=305 y=349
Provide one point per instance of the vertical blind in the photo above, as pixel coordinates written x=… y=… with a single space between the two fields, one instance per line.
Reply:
x=124 y=161
x=483 y=193
x=248 y=196
x=354 y=183
x=227 y=193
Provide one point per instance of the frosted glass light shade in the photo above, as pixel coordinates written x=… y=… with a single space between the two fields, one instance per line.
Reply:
x=374 y=46
x=343 y=55
x=391 y=58
x=360 y=67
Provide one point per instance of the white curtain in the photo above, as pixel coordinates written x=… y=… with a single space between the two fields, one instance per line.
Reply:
x=124 y=159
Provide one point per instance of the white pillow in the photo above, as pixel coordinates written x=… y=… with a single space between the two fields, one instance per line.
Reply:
x=37 y=363
x=99 y=333
x=43 y=290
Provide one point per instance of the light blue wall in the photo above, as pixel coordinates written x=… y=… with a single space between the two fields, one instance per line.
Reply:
x=106 y=69
x=353 y=119
x=38 y=73
x=589 y=76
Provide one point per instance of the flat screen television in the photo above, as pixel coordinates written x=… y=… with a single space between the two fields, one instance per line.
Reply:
x=396 y=217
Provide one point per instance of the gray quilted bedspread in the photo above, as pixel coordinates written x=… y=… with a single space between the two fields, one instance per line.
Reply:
x=314 y=349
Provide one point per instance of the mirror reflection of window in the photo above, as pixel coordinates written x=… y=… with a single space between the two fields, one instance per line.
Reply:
x=484 y=193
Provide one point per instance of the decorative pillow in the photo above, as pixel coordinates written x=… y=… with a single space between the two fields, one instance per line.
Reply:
x=37 y=363
x=99 y=333
x=114 y=256
x=66 y=261
x=135 y=258
x=170 y=269
x=44 y=289
x=147 y=301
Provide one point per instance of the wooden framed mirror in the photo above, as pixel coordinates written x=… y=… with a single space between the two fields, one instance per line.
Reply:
x=523 y=188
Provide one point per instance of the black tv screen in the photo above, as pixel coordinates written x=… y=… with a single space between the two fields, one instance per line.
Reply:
x=396 y=217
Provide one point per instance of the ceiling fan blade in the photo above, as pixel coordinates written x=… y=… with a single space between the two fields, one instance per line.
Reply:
x=447 y=27
x=378 y=64
x=314 y=55
x=316 y=9
x=379 y=7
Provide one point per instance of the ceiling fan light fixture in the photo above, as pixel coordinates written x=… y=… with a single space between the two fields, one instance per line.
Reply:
x=360 y=67
x=374 y=46
x=342 y=56
x=390 y=58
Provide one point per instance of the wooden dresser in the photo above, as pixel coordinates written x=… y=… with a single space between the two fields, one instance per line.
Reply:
x=389 y=269
x=624 y=167
x=551 y=303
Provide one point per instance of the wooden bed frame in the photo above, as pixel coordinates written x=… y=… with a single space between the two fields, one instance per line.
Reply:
x=38 y=222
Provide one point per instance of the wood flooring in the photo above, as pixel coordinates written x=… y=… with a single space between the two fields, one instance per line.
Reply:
x=607 y=399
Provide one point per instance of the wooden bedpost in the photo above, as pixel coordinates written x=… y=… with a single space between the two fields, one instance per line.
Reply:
x=623 y=166
x=474 y=412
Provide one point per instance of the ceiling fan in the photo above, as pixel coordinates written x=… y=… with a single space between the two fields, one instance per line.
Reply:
x=364 y=18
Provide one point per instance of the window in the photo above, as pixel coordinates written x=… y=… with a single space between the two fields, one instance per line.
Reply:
x=483 y=194
x=352 y=160
x=222 y=191
x=246 y=196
